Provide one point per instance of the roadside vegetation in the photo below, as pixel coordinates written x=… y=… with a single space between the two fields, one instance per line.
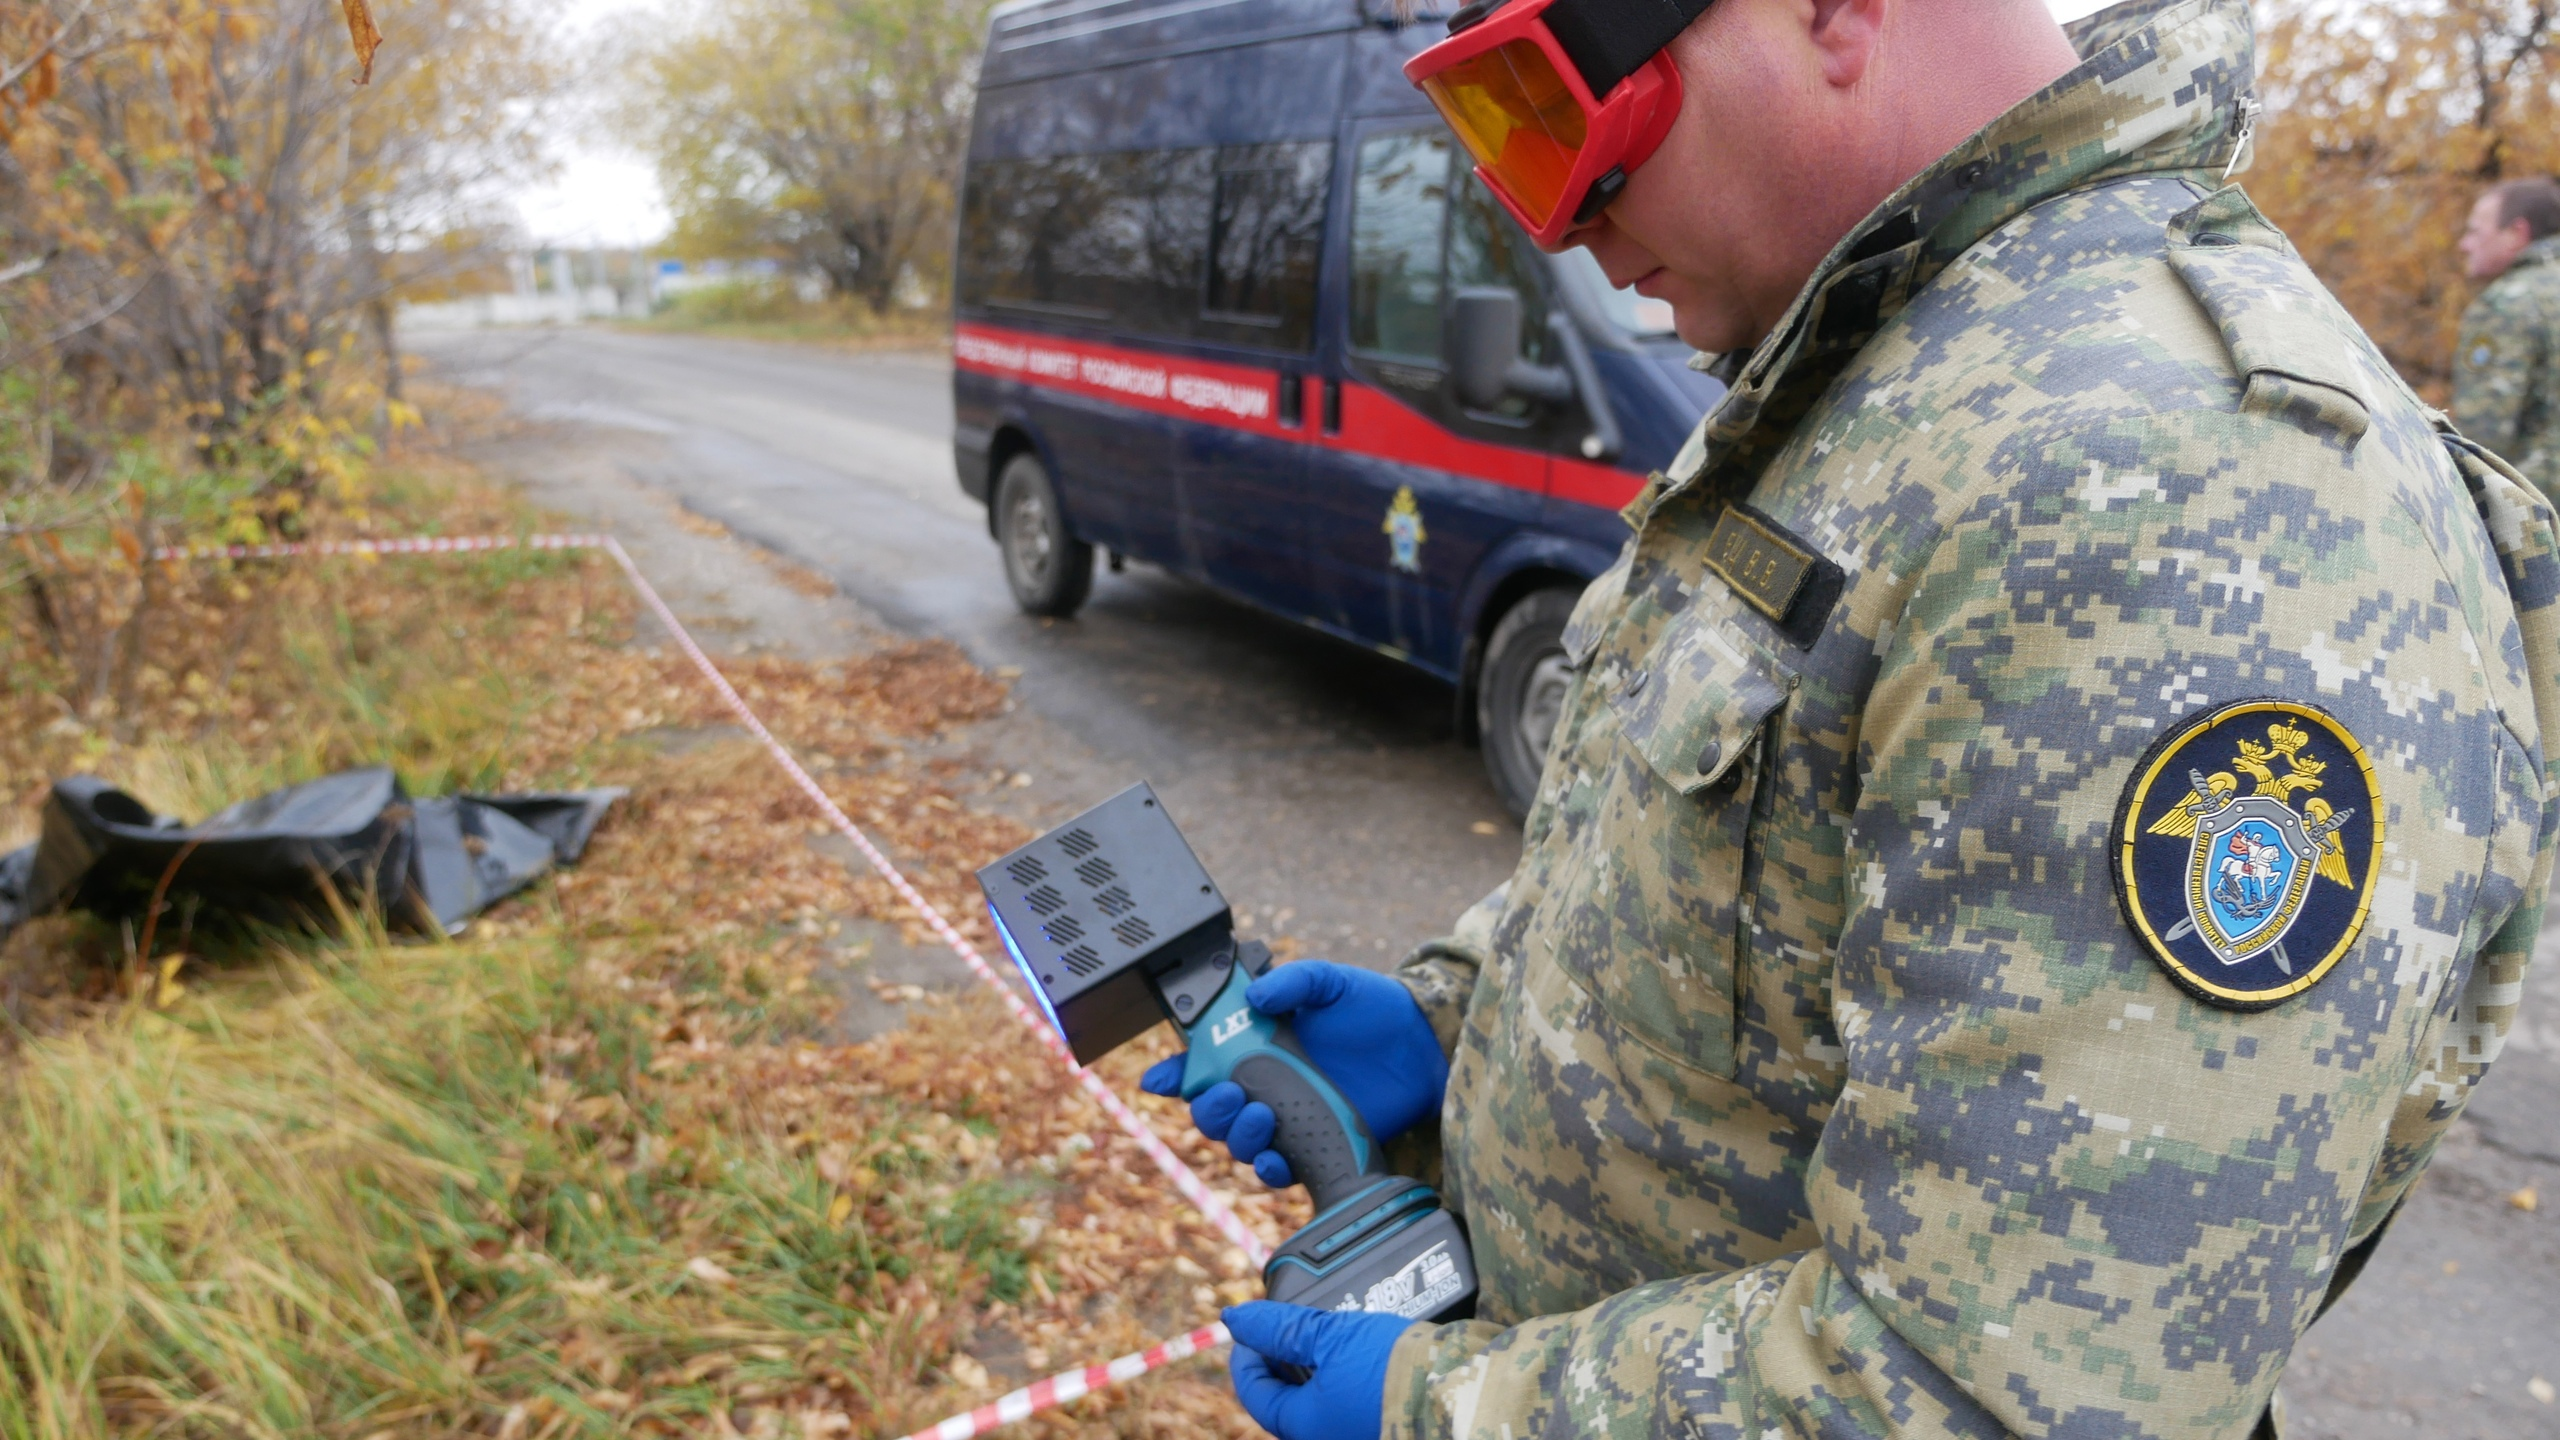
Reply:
x=592 y=1168
x=596 y=1167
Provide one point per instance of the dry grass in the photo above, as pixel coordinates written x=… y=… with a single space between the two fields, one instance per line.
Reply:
x=586 y=1170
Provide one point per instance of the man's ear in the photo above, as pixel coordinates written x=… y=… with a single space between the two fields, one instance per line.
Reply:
x=1846 y=34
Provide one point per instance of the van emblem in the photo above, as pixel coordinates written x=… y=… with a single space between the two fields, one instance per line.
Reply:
x=1404 y=532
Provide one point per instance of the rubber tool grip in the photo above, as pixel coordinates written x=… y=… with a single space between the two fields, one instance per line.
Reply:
x=1307 y=1134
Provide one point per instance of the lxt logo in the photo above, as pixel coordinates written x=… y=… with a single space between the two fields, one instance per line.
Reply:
x=1229 y=1026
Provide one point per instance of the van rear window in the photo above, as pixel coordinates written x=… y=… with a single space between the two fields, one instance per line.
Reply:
x=1216 y=243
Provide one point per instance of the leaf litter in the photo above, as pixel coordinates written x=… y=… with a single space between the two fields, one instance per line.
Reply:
x=688 y=1215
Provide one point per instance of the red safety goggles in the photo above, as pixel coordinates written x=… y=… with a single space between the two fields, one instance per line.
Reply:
x=1557 y=100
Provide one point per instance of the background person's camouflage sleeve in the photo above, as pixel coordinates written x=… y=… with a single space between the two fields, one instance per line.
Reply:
x=2506 y=367
x=1813 y=1081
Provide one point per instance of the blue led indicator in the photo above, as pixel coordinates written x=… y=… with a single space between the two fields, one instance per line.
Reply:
x=1039 y=991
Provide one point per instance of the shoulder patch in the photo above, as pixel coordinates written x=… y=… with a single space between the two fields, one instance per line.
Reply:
x=2247 y=847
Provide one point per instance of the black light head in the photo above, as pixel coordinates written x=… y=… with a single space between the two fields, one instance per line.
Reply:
x=1097 y=909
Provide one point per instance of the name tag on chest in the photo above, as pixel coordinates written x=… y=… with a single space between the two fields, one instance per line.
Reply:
x=1763 y=564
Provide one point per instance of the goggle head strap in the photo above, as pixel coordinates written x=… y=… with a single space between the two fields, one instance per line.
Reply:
x=1607 y=40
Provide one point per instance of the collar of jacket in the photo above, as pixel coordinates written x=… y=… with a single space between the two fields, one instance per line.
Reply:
x=2545 y=251
x=2164 y=86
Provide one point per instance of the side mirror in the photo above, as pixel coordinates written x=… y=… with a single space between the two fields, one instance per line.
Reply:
x=1482 y=350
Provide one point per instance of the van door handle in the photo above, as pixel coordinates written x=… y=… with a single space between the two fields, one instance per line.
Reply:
x=1332 y=406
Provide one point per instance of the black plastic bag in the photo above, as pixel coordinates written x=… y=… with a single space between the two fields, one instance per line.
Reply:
x=294 y=857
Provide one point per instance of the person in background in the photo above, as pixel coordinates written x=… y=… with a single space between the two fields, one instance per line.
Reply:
x=2506 y=369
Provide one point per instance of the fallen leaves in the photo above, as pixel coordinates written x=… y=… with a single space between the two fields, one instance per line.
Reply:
x=988 y=1222
x=362 y=34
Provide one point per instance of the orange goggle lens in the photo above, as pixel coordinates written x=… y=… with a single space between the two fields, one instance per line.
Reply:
x=1520 y=120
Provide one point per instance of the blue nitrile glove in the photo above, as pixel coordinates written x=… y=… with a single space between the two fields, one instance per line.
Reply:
x=1362 y=1029
x=1345 y=1396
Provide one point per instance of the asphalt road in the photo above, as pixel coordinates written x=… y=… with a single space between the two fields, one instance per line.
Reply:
x=1323 y=786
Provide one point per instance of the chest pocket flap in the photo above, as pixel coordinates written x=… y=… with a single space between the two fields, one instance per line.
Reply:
x=1649 y=920
x=1697 y=709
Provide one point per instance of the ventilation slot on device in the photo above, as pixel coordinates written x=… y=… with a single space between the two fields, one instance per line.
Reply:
x=1079 y=842
x=1083 y=960
x=1096 y=873
x=1065 y=930
x=1115 y=902
x=1045 y=901
x=1027 y=871
x=1134 y=932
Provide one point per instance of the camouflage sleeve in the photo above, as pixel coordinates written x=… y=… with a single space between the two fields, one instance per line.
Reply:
x=1442 y=973
x=2494 y=364
x=2056 y=1196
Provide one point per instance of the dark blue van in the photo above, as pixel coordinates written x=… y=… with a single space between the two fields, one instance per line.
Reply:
x=1230 y=303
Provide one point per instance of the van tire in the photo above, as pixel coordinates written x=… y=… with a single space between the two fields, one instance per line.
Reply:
x=1049 y=569
x=1520 y=694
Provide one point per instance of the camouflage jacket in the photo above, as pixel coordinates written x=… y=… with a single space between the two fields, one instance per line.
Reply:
x=1809 y=1076
x=2506 y=370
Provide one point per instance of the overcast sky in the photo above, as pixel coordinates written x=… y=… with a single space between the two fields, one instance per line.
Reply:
x=606 y=194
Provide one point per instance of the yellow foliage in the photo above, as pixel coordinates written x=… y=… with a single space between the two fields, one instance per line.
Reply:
x=2386 y=119
x=212 y=213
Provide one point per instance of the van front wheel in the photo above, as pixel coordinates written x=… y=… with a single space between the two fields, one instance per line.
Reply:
x=1048 y=568
x=1520 y=694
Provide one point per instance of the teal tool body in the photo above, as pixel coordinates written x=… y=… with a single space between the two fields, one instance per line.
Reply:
x=1116 y=927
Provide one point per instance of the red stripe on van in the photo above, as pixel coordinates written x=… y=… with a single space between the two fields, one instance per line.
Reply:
x=1587 y=483
x=1237 y=396
x=1242 y=397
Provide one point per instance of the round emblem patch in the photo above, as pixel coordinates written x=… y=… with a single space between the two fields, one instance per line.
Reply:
x=2247 y=846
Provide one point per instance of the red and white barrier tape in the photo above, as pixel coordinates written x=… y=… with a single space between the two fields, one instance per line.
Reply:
x=1074 y=1385
x=1021 y=1404
x=1182 y=1175
x=416 y=545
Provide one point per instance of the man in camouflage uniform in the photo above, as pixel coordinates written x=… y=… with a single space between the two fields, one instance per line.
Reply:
x=2506 y=368
x=1846 y=1056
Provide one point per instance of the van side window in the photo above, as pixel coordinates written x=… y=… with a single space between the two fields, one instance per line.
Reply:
x=1266 y=232
x=1211 y=243
x=1399 y=208
x=1422 y=225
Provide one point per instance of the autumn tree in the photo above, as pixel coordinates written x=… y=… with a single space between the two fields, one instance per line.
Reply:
x=209 y=205
x=2386 y=119
x=204 y=220
x=828 y=132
